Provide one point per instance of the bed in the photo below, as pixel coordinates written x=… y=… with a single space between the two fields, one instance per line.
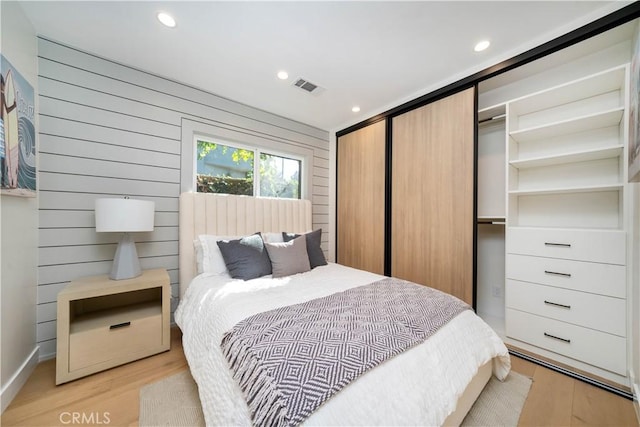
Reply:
x=432 y=383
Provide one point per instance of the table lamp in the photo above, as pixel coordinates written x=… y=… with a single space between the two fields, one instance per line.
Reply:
x=124 y=216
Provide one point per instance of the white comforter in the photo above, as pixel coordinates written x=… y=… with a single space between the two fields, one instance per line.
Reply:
x=418 y=387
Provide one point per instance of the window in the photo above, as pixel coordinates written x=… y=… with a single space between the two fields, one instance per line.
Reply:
x=223 y=168
x=279 y=176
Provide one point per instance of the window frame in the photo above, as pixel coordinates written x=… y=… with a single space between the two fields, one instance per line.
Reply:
x=257 y=151
x=283 y=140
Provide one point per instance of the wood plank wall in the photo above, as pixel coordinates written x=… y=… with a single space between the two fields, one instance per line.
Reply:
x=108 y=130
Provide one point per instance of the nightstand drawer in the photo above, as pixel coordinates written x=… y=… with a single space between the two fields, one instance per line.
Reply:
x=115 y=336
x=597 y=278
x=581 y=245
x=568 y=306
x=596 y=348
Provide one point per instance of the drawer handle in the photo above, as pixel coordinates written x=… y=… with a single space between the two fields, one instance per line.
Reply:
x=558 y=274
x=557 y=338
x=120 y=325
x=555 y=304
x=562 y=245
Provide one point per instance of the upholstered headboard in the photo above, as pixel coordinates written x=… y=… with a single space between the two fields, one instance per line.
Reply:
x=228 y=215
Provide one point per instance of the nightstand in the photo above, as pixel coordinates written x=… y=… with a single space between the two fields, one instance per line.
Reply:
x=104 y=323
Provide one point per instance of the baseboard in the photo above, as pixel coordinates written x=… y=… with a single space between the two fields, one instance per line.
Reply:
x=636 y=399
x=13 y=386
x=635 y=390
x=45 y=357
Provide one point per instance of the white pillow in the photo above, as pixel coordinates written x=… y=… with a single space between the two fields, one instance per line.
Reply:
x=272 y=237
x=198 y=249
x=208 y=256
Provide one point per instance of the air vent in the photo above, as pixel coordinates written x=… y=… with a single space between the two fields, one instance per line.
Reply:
x=307 y=86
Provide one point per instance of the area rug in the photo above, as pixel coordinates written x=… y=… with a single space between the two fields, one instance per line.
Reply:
x=500 y=403
x=174 y=401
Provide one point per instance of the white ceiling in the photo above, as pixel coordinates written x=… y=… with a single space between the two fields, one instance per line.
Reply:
x=375 y=54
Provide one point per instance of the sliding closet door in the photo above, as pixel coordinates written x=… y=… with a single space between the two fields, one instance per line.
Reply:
x=433 y=195
x=361 y=182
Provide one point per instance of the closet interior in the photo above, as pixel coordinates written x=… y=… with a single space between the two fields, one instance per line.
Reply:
x=554 y=217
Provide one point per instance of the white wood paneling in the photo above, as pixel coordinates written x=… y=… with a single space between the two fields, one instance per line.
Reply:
x=87 y=96
x=93 y=253
x=321 y=162
x=105 y=118
x=47 y=349
x=70 y=129
x=47 y=311
x=86 y=219
x=46 y=330
x=321 y=181
x=106 y=168
x=320 y=200
x=88 y=236
x=60 y=274
x=109 y=130
x=102 y=185
x=62 y=200
x=321 y=171
x=84 y=149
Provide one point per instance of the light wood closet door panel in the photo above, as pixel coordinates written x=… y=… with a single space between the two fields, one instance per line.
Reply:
x=361 y=182
x=432 y=195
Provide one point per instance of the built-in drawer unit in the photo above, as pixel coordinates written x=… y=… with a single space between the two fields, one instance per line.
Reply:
x=597 y=348
x=566 y=221
x=574 y=307
x=597 y=278
x=605 y=246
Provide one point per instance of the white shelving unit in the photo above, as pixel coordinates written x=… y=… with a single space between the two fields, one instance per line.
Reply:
x=565 y=200
x=568 y=140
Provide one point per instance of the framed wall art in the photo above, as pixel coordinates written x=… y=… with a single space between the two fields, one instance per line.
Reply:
x=17 y=133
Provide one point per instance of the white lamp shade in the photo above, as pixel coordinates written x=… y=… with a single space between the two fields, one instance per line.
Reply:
x=124 y=215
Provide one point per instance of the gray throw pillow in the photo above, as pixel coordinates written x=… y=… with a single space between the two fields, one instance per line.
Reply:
x=246 y=258
x=288 y=258
x=313 y=238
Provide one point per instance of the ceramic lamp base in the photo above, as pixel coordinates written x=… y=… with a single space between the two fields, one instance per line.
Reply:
x=125 y=263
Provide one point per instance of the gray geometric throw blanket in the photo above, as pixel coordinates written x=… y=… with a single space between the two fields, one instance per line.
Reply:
x=290 y=360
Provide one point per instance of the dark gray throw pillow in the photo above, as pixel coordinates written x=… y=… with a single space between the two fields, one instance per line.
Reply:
x=313 y=238
x=246 y=258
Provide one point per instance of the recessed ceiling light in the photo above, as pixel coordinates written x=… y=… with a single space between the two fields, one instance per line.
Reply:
x=355 y=109
x=166 y=19
x=283 y=75
x=482 y=45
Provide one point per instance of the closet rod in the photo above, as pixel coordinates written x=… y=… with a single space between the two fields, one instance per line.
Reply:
x=488 y=222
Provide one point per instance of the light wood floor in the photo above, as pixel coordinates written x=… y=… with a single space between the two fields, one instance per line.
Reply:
x=554 y=399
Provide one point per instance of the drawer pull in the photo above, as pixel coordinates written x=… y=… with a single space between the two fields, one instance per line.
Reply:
x=557 y=338
x=120 y=325
x=562 y=245
x=557 y=274
x=555 y=304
